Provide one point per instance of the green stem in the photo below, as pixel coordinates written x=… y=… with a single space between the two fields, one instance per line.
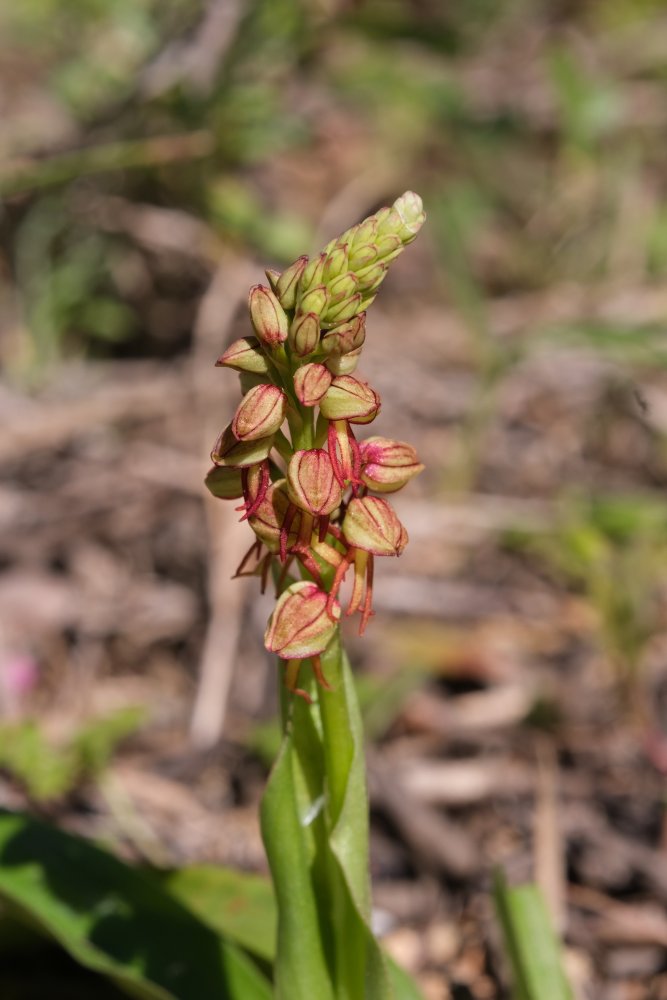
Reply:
x=316 y=798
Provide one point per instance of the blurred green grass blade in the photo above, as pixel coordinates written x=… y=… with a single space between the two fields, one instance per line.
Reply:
x=403 y=985
x=61 y=168
x=113 y=920
x=530 y=942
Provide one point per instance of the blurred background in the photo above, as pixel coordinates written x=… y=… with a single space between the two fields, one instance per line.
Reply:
x=154 y=157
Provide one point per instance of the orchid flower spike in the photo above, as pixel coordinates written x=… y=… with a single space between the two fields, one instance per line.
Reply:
x=308 y=495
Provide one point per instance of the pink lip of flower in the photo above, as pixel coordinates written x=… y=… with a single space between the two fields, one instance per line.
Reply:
x=260 y=413
x=19 y=676
x=300 y=626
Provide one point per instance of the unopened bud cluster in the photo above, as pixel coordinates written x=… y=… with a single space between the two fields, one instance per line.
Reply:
x=307 y=494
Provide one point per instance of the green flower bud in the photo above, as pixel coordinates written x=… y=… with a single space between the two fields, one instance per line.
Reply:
x=245 y=355
x=349 y=398
x=228 y=451
x=311 y=482
x=304 y=334
x=260 y=413
x=314 y=301
x=362 y=256
x=344 y=364
x=371 y=524
x=301 y=626
x=386 y=465
x=405 y=218
x=364 y=233
x=311 y=383
x=287 y=284
x=341 y=311
x=381 y=217
x=342 y=287
x=272 y=276
x=388 y=245
x=313 y=274
x=372 y=277
x=345 y=337
x=226 y=484
x=267 y=316
x=335 y=264
x=367 y=300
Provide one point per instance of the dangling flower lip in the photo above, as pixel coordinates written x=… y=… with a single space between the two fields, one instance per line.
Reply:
x=300 y=626
x=371 y=524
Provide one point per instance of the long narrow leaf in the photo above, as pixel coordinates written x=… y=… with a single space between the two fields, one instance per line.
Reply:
x=242 y=907
x=532 y=947
x=301 y=971
x=315 y=829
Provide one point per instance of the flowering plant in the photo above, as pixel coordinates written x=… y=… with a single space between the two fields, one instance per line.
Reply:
x=309 y=499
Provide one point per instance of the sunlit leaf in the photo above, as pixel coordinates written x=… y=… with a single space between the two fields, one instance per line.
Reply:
x=113 y=920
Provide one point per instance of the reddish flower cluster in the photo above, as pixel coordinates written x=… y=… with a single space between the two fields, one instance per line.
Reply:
x=307 y=497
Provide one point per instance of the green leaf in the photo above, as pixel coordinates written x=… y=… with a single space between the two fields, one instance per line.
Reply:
x=315 y=829
x=532 y=946
x=240 y=906
x=403 y=985
x=116 y=921
x=301 y=971
x=343 y=739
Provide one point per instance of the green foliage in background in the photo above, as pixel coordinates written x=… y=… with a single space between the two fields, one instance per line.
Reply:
x=614 y=549
x=48 y=771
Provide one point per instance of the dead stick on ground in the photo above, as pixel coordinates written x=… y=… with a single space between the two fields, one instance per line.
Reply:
x=549 y=855
x=227 y=538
